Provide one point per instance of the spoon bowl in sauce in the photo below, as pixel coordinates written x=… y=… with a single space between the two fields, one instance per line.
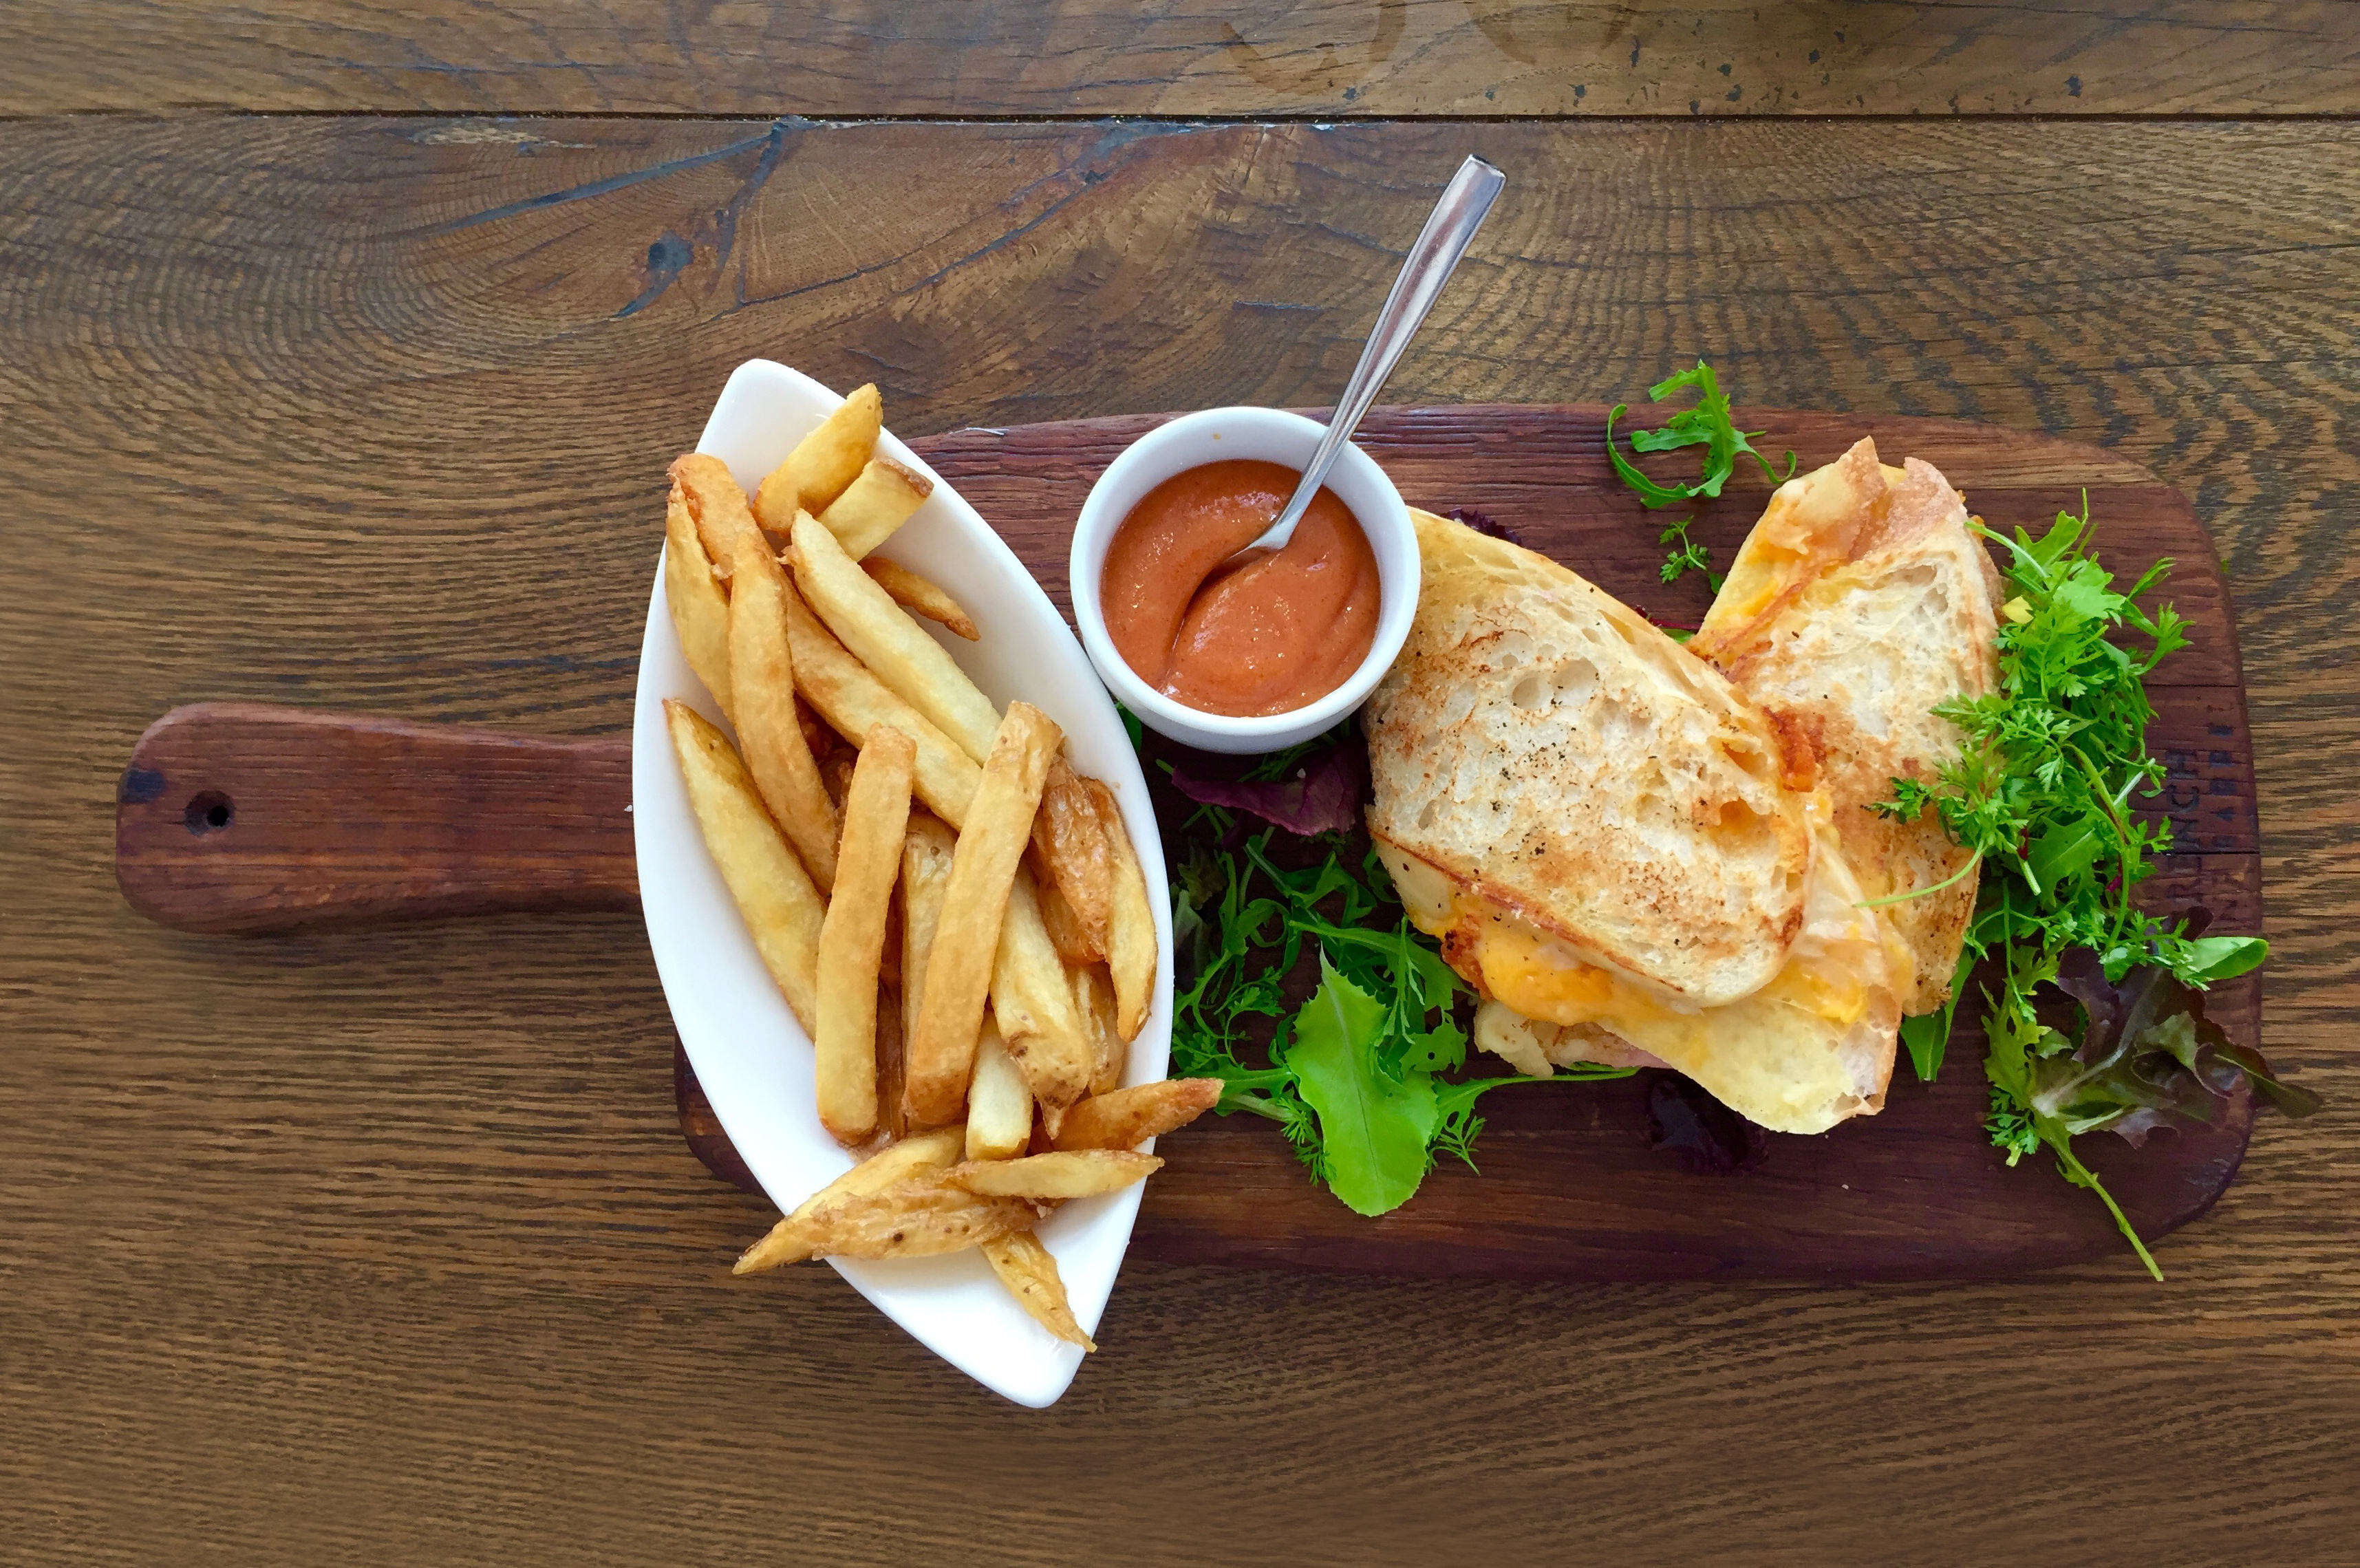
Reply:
x=1211 y=640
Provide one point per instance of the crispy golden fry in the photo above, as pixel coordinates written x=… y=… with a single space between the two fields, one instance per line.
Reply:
x=923 y=1217
x=999 y=1105
x=1035 y=1004
x=853 y=701
x=1072 y=842
x=790 y=1240
x=852 y=938
x=762 y=684
x=724 y=522
x=760 y=672
x=880 y=501
x=879 y=634
x=773 y=890
x=1046 y=1178
x=1066 y=932
x=700 y=610
x=1025 y=1267
x=1130 y=920
x=920 y=598
x=926 y=851
x=824 y=463
x=1129 y=1117
x=890 y=1124
x=1094 y=1004
x=967 y=941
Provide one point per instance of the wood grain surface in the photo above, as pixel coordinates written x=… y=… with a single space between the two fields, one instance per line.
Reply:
x=1322 y=59
x=234 y=816
x=243 y=817
x=397 y=1255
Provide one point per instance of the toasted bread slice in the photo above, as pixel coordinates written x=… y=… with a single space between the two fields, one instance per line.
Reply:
x=1553 y=755
x=1858 y=603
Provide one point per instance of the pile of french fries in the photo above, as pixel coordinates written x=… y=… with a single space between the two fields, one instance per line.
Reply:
x=957 y=918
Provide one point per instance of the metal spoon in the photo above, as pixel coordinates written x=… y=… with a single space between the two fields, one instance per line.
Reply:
x=1445 y=239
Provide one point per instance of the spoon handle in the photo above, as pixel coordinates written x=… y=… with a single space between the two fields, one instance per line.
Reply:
x=1447 y=233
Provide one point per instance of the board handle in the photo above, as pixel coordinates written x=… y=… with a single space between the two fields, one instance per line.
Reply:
x=247 y=817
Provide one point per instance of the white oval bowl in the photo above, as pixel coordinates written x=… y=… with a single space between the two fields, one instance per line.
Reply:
x=752 y=1058
x=1271 y=435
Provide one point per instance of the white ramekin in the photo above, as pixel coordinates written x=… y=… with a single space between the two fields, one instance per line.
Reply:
x=1269 y=435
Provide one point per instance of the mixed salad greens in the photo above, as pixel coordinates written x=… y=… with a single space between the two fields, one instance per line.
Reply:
x=1360 y=1073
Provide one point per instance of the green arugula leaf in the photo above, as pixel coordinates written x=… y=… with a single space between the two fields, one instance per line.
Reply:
x=1707 y=424
x=1374 y=1128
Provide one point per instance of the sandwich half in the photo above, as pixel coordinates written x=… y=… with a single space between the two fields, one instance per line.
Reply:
x=1615 y=846
x=1857 y=604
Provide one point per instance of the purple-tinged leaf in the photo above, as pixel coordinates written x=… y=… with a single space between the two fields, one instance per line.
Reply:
x=1319 y=794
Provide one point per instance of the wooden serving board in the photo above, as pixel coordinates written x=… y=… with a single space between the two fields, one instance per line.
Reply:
x=241 y=818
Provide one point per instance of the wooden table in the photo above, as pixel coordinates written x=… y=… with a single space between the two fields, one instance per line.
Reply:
x=327 y=378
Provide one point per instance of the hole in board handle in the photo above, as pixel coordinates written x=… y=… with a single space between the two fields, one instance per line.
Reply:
x=209 y=813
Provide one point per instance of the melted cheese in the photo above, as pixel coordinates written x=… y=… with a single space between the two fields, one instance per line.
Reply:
x=1789 y=1056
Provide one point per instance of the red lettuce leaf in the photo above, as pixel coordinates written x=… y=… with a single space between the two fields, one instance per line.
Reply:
x=2137 y=1052
x=1319 y=794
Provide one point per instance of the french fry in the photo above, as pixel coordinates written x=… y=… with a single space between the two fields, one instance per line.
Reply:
x=853 y=701
x=762 y=683
x=700 y=610
x=790 y=1240
x=921 y=1218
x=1053 y=1178
x=878 y=502
x=920 y=598
x=926 y=851
x=924 y=1217
x=852 y=937
x=999 y=1105
x=771 y=889
x=1073 y=844
x=1066 y=932
x=967 y=939
x=724 y=521
x=1035 y=1004
x=824 y=463
x=1094 y=1004
x=1130 y=920
x=1026 y=1268
x=878 y=632
x=1129 y=1117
